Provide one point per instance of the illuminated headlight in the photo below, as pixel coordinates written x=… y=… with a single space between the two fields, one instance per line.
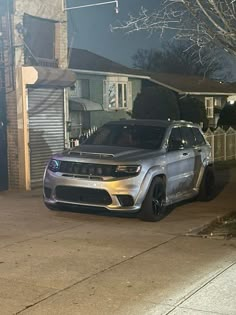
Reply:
x=128 y=170
x=54 y=165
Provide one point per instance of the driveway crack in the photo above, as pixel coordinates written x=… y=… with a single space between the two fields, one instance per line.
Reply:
x=96 y=274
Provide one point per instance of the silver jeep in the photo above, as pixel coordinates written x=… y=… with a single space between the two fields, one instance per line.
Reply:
x=133 y=166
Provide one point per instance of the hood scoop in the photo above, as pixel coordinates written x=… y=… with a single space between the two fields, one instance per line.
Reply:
x=92 y=155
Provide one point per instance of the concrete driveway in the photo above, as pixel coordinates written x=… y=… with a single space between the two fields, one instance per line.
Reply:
x=78 y=263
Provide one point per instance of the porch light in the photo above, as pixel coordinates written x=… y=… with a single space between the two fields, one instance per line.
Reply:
x=65 y=8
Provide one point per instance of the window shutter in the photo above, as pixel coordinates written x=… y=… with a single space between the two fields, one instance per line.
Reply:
x=130 y=96
x=105 y=95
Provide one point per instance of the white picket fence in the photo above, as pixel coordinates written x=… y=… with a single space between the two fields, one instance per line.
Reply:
x=223 y=143
x=76 y=142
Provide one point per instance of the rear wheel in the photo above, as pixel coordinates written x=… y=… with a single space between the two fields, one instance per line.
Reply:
x=207 y=187
x=153 y=206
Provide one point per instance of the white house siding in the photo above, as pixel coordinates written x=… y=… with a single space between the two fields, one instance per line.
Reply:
x=136 y=87
x=96 y=94
x=99 y=118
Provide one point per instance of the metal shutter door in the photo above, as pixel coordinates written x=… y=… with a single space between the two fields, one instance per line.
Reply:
x=46 y=129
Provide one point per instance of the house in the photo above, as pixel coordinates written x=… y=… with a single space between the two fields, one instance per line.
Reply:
x=214 y=94
x=105 y=90
x=33 y=107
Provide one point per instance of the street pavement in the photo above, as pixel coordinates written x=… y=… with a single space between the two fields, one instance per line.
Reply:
x=60 y=262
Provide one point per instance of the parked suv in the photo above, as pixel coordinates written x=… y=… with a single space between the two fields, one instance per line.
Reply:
x=133 y=166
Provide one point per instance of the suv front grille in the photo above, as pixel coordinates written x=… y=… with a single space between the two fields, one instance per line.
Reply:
x=87 y=169
x=83 y=195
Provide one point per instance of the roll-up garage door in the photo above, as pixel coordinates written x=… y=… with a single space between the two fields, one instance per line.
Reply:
x=46 y=128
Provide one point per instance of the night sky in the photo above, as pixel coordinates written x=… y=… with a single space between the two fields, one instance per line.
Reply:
x=91 y=28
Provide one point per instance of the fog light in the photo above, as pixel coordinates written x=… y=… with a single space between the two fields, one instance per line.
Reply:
x=125 y=200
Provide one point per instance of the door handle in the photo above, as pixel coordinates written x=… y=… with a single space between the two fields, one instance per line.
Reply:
x=185 y=153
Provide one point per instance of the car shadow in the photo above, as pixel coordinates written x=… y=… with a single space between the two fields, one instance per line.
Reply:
x=222 y=179
x=98 y=211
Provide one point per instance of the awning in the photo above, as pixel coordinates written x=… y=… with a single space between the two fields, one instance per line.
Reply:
x=54 y=77
x=83 y=104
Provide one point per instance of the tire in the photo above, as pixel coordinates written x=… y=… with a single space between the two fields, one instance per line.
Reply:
x=153 y=207
x=207 y=187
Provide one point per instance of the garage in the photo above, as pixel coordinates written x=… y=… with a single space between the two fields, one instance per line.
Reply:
x=46 y=128
x=46 y=105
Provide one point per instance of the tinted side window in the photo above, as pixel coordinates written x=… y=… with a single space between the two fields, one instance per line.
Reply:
x=198 y=137
x=188 y=137
x=175 y=140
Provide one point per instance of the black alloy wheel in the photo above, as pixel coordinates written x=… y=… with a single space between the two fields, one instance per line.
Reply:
x=153 y=206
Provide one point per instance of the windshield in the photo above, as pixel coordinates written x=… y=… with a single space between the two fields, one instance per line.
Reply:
x=137 y=136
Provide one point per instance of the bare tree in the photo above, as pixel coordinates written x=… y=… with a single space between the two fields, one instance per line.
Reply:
x=204 y=23
x=178 y=58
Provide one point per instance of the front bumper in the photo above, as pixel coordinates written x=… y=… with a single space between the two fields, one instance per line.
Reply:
x=134 y=187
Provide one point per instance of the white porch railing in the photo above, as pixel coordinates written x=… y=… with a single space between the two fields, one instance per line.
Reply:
x=76 y=141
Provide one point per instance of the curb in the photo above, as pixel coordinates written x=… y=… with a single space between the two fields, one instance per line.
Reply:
x=195 y=232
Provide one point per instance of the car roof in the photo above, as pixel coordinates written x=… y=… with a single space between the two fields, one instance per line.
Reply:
x=150 y=122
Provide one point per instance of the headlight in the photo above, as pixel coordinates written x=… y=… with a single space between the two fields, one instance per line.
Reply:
x=54 y=165
x=128 y=170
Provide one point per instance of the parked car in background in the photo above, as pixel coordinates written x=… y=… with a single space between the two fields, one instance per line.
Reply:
x=138 y=166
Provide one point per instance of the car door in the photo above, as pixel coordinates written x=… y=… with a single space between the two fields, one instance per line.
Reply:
x=193 y=157
x=179 y=164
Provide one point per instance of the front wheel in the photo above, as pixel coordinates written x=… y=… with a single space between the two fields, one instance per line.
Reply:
x=153 y=206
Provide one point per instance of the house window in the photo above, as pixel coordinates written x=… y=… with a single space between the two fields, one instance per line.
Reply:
x=209 y=105
x=117 y=95
x=39 y=39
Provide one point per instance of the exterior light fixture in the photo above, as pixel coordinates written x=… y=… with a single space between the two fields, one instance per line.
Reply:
x=65 y=8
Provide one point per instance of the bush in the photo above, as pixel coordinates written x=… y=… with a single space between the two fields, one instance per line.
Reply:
x=228 y=116
x=156 y=103
x=192 y=109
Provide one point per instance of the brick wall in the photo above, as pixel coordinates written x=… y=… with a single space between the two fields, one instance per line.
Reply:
x=12 y=132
